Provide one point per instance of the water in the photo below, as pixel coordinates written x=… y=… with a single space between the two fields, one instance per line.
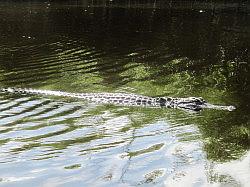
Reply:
x=59 y=141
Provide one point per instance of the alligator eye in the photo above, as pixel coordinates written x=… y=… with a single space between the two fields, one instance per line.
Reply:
x=201 y=100
x=198 y=102
x=192 y=98
x=197 y=108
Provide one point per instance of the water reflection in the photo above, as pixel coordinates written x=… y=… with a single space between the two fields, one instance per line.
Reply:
x=154 y=52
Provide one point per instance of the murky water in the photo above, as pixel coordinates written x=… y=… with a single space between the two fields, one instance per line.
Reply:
x=54 y=141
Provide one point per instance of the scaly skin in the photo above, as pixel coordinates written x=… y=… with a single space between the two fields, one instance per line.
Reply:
x=125 y=99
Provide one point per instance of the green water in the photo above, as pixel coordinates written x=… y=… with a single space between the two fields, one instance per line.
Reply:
x=54 y=141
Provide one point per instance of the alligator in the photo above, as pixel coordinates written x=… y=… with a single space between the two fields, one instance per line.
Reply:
x=128 y=99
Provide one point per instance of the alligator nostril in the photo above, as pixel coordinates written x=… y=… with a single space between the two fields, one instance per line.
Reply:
x=231 y=108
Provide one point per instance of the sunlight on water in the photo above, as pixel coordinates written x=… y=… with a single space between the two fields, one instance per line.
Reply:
x=60 y=141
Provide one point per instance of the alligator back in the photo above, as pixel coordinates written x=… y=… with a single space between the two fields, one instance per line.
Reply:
x=107 y=98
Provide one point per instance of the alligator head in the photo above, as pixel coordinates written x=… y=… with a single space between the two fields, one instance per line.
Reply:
x=194 y=104
x=189 y=103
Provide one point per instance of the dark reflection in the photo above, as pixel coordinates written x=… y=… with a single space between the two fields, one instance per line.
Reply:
x=152 y=51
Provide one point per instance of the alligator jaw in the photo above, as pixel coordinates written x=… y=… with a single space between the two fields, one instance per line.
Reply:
x=197 y=108
x=218 y=107
x=199 y=104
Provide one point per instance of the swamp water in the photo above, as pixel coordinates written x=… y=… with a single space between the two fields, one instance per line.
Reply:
x=59 y=141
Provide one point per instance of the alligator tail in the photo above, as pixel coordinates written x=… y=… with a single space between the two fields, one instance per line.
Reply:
x=39 y=92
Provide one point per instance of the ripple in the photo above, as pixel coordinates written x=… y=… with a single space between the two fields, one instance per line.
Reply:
x=48 y=61
x=20 y=110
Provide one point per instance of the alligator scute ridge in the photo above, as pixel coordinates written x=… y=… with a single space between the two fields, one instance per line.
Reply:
x=128 y=99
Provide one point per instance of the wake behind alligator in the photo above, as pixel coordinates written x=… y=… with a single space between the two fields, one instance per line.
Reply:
x=127 y=99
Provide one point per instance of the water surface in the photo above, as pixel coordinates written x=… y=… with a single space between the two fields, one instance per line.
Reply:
x=54 y=141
